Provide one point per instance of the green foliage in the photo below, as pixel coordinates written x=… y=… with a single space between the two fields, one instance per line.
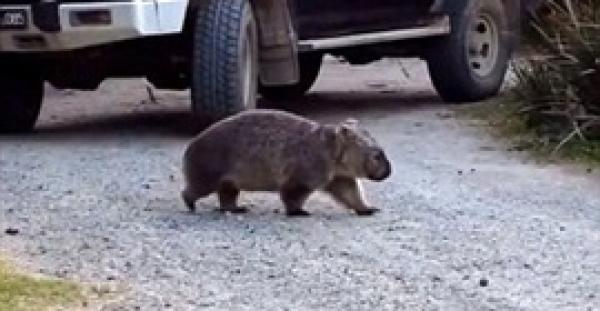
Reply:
x=504 y=118
x=22 y=292
x=558 y=86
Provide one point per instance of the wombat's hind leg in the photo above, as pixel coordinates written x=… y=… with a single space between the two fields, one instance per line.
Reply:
x=228 y=195
x=347 y=192
x=293 y=198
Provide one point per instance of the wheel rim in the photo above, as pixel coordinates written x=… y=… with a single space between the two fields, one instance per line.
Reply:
x=484 y=43
x=248 y=73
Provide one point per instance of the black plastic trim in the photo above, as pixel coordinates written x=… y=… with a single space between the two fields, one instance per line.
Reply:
x=45 y=16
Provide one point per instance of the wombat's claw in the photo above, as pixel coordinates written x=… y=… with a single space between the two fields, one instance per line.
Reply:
x=298 y=213
x=367 y=211
x=235 y=210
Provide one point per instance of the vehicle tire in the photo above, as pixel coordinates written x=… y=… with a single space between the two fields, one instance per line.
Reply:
x=21 y=93
x=225 y=59
x=310 y=66
x=470 y=64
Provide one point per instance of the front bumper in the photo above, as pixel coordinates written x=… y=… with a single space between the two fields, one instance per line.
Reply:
x=57 y=28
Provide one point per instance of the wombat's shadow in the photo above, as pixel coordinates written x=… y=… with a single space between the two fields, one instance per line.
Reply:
x=177 y=122
x=264 y=209
x=258 y=216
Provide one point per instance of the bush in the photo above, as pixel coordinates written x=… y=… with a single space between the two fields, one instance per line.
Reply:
x=559 y=85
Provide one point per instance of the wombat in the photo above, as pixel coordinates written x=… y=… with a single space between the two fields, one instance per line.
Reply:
x=271 y=150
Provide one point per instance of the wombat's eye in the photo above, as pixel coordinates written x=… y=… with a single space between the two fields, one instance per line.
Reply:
x=379 y=155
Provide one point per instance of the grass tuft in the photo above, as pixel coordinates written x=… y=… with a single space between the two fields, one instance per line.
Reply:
x=503 y=118
x=22 y=292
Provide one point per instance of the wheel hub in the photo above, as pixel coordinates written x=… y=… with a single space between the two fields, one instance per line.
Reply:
x=484 y=43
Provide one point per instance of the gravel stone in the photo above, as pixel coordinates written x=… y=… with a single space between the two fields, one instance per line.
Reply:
x=11 y=231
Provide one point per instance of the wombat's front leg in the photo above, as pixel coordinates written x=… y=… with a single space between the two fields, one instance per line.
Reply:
x=228 y=195
x=191 y=194
x=347 y=191
x=189 y=200
x=293 y=197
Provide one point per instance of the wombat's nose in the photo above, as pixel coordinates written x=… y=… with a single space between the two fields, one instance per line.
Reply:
x=387 y=173
x=383 y=173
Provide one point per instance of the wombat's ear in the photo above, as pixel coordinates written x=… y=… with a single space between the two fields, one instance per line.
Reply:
x=347 y=127
x=351 y=123
x=333 y=139
x=329 y=133
x=343 y=131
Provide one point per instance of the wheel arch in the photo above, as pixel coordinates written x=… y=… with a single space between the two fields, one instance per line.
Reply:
x=515 y=20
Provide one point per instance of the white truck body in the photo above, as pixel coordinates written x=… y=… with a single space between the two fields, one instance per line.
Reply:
x=127 y=20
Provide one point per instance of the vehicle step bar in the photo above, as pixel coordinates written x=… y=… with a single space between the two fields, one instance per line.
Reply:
x=440 y=26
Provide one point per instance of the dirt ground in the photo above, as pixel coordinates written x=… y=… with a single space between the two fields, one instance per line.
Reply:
x=466 y=225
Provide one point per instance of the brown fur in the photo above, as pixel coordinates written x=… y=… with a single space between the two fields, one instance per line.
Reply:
x=269 y=150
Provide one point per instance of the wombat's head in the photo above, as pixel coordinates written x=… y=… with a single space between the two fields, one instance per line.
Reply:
x=359 y=154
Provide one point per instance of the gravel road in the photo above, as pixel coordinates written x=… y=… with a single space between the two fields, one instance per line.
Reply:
x=466 y=225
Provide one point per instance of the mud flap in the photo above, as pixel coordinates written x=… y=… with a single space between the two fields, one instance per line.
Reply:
x=278 y=43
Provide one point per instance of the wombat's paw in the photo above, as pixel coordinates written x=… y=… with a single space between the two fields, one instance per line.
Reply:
x=191 y=207
x=367 y=211
x=298 y=213
x=235 y=210
x=189 y=202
